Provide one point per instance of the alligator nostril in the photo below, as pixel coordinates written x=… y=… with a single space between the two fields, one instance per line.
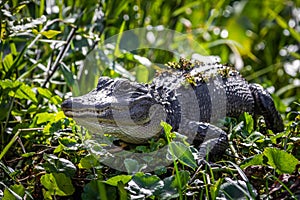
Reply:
x=67 y=104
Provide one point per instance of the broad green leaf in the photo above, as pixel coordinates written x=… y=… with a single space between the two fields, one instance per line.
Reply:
x=88 y=162
x=116 y=179
x=256 y=160
x=44 y=117
x=56 y=100
x=60 y=115
x=44 y=92
x=46 y=194
x=49 y=117
x=26 y=92
x=15 y=192
x=64 y=184
x=58 y=184
x=50 y=34
x=146 y=184
x=49 y=182
x=58 y=165
x=9 y=84
x=183 y=154
x=280 y=160
x=19 y=90
x=147 y=181
x=59 y=148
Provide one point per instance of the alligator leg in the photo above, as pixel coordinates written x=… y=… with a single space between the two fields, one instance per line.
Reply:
x=264 y=106
x=210 y=139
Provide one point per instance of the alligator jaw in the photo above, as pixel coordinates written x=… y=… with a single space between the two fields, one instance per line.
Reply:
x=102 y=116
x=122 y=130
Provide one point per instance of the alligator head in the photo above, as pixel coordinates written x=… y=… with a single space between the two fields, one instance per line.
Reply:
x=118 y=107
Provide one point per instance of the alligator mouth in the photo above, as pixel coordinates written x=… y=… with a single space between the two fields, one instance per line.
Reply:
x=95 y=122
x=87 y=113
x=107 y=115
x=126 y=122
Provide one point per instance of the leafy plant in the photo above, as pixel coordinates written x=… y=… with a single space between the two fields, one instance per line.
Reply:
x=47 y=48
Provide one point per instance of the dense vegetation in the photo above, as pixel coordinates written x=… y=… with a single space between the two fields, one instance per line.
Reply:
x=51 y=50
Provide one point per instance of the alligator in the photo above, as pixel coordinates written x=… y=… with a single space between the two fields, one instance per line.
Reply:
x=191 y=96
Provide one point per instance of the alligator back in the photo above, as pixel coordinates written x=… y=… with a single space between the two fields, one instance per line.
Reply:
x=205 y=92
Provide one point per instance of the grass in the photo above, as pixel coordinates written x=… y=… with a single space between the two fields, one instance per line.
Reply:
x=47 y=53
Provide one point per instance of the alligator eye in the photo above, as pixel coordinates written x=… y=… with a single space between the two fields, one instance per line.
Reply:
x=123 y=88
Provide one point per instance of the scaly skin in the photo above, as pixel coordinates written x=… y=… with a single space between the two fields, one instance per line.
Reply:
x=192 y=97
